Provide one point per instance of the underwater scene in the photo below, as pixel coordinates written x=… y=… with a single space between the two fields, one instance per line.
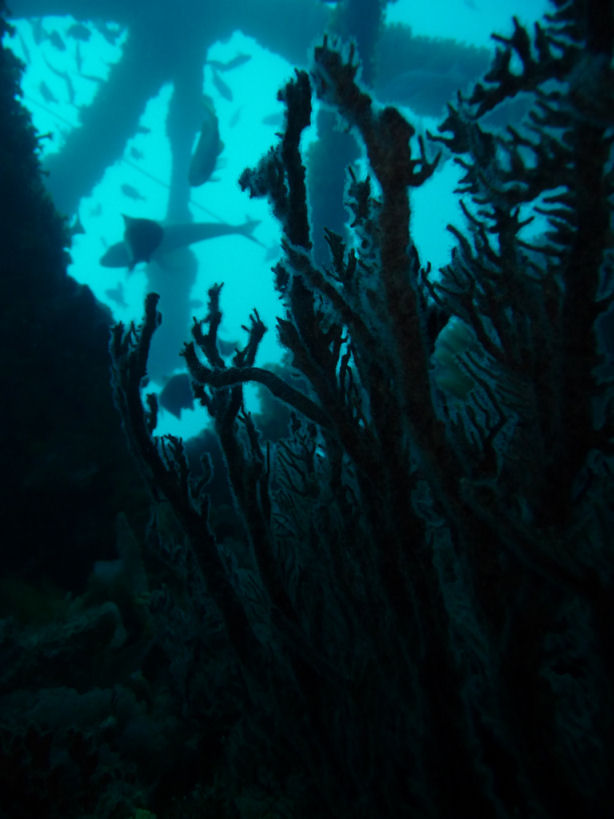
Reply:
x=308 y=422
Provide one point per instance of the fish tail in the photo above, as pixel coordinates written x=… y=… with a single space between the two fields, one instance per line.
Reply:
x=247 y=229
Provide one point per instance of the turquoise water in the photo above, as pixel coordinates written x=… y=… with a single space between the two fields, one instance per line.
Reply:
x=245 y=102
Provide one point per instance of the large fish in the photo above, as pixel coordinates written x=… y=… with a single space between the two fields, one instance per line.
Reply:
x=208 y=147
x=142 y=237
x=177 y=395
x=146 y=247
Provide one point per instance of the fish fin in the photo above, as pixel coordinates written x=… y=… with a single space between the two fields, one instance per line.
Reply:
x=248 y=227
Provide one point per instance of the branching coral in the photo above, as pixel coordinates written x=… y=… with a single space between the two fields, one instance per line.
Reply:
x=417 y=556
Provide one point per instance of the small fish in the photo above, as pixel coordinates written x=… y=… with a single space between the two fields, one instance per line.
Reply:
x=55 y=40
x=234 y=119
x=78 y=31
x=240 y=59
x=41 y=137
x=136 y=154
x=227 y=348
x=273 y=119
x=46 y=93
x=92 y=78
x=132 y=193
x=222 y=87
x=70 y=89
x=38 y=32
x=76 y=226
x=108 y=31
x=24 y=48
x=273 y=252
x=173 y=237
x=143 y=129
x=425 y=90
x=208 y=147
x=177 y=395
x=65 y=76
x=53 y=69
x=78 y=57
x=116 y=294
x=141 y=238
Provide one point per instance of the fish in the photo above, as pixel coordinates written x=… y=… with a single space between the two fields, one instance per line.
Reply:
x=24 y=48
x=70 y=89
x=78 y=57
x=273 y=119
x=227 y=348
x=423 y=89
x=46 y=93
x=38 y=30
x=116 y=294
x=208 y=147
x=135 y=153
x=222 y=87
x=240 y=59
x=79 y=32
x=176 y=395
x=175 y=237
x=234 y=119
x=132 y=193
x=92 y=78
x=76 y=226
x=142 y=237
x=57 y=41
x=65 y=77
x=109 y=31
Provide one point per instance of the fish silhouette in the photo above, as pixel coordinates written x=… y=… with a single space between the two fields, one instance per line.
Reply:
x=149 y=240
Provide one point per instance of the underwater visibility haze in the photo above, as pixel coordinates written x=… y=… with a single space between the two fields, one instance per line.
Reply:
x=308 y=421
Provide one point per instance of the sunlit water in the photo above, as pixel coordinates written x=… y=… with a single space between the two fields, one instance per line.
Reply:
x=247 y=132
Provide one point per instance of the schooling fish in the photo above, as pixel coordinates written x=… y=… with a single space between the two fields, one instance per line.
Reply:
x=57 y=41
x=141 y=238
x=46 y=93
x=78 y=31
x=109 y=31
x=65 y=76
x=76 y=226
x=240 y=59
x=273 y=119
x=24 y=48
x=132 y=192
x=173 y=237
x=117 y=294
x=38 y=31
x=208 y=148
x=223 y=89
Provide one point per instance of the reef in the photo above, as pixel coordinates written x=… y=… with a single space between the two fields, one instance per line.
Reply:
x=420 y=606
x=67 y=472
x=67 y=478
x=394 y=599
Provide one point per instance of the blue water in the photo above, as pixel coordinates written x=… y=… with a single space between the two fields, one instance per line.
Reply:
x=243 y=266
